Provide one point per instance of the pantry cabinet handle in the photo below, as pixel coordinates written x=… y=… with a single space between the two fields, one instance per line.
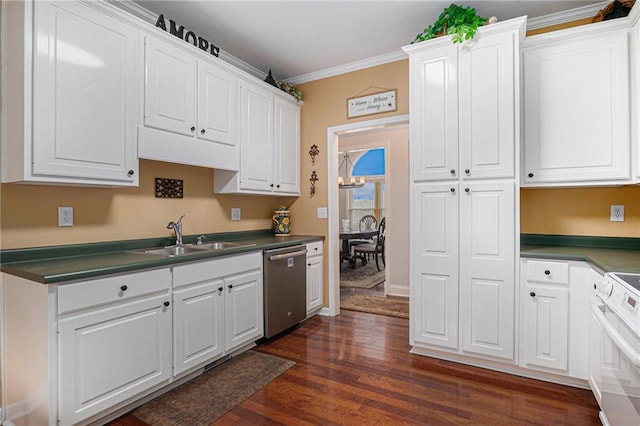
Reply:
x=123 y=288
x=166 y=303
x=532 y=294
x=547 y=272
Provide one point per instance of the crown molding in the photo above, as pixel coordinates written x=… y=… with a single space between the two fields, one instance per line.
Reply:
x=352 y=66
x=566 y=16
x=146 y=15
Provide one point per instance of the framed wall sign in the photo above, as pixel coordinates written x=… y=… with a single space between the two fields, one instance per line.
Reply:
x=372 y=104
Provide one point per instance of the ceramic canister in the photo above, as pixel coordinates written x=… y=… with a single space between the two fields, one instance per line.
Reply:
x=281 y=220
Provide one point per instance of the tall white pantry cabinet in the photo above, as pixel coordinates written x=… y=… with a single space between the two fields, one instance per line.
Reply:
x=464 y=145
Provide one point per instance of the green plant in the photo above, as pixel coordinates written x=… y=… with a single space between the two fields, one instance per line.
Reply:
x=457 y=21
x=290 y=89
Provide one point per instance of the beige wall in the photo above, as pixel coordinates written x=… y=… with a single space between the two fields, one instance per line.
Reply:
x=29 y=212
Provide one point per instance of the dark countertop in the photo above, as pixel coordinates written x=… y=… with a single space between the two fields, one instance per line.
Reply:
x=605 y=254
x=58 y=264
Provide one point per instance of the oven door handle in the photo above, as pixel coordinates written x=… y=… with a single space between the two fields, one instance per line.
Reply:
x=616 y=337
x=287 y=255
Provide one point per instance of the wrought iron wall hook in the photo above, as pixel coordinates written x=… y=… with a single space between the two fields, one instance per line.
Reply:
x=313 y=180
x=313 y=152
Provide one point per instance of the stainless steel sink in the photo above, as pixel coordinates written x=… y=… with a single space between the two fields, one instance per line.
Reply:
x=221 y=245
x=185 y=249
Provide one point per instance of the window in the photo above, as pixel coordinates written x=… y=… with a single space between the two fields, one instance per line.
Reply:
x=368 y=199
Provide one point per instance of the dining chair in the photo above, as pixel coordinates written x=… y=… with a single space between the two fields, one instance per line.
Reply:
x=376 y=248
x=367 y=223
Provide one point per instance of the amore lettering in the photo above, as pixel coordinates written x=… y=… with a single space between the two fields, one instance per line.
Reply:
x=189 y=36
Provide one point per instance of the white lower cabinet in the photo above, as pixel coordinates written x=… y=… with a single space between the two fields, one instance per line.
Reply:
x=217 y=309
x=109 y=355
x=76 y=352
x=554 y=311
x=314 y=277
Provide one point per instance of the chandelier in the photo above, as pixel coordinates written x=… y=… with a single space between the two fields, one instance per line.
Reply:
x=348 y=182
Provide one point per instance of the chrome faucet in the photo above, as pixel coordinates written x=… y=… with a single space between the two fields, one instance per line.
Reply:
x=177 y=228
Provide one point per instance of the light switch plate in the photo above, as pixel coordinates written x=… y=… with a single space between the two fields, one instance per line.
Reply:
x=322 y=213
x=617 y=213
x=65 y=216
x=235 y=213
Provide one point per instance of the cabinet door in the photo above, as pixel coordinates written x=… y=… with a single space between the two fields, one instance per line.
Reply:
x=488 y=106
x=576 y=110
x=487 y=268
x=434 y=113
x=545 y=328
x=314 y=283
x=84 y=88
x=198 y=325
x=170 y=88
x=434 y=280
x=110 y=355
x=256 y=138
x=287 y=147
x=243 y=309
x=217 y=94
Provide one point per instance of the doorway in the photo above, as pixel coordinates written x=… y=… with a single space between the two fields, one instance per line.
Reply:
x=391 y=133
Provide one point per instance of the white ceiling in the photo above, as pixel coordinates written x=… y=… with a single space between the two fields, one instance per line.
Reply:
x=296 y=38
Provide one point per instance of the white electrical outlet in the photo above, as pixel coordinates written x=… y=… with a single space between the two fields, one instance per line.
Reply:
x=65 y=216
x=322 y=213
x=235 y=213
x=617 y=213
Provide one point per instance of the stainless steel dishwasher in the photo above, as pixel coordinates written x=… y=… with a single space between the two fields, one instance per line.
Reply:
x=285 y=288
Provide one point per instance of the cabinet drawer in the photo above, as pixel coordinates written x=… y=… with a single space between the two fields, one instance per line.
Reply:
x=72 y=297
x=547 y=272
x=314 y=249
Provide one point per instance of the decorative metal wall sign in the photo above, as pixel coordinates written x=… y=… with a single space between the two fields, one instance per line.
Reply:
x=169 y=188
x=189 y=37
x=371 y=104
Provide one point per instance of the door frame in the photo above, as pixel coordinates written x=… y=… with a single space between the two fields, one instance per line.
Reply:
x=333 y=237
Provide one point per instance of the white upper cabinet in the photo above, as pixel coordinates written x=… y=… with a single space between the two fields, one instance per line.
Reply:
x=71 y=104
x=463 y=114
x=577 y=109
x=190 y=109
x=269 y=145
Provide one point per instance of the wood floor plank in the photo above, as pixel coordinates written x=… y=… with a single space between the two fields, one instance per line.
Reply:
x=356 y=369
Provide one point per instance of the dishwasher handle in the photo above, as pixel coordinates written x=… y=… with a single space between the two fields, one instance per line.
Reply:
x=287 y=255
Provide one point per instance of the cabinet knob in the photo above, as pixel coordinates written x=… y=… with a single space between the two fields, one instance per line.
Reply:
x=532 y=294
x=202 y=131
x=547 y=272
x=167 y=303
x=595 y=286
x=123 y=288
x=277 y=186
x=452 y=190
x=220 y=288
x=230 y=286
x=530 y=175
x=453 y=171
x=193 y=128
x=271 y=185
x=130 y=172
x=308 y=264
x=467 y=190
x=467 y=171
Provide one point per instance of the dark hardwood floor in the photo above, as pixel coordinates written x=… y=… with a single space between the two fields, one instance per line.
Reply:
x=356 y=369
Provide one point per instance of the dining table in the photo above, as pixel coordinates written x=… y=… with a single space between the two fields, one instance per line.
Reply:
x=346 y=236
